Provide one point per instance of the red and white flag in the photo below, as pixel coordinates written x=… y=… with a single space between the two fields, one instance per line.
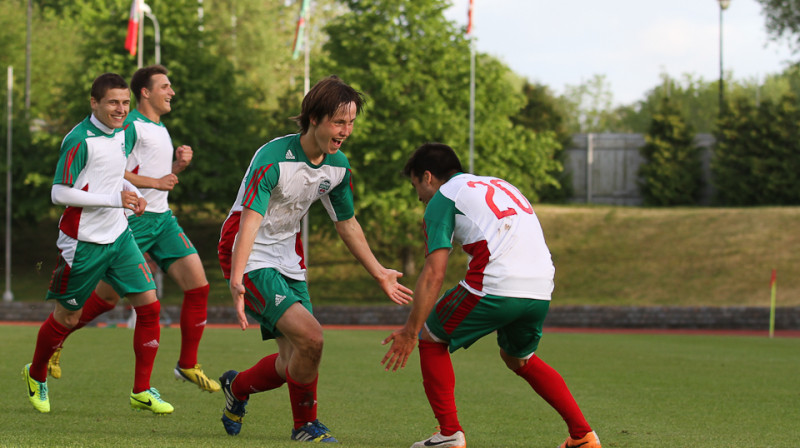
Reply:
x=469 y=18
x=132 y=39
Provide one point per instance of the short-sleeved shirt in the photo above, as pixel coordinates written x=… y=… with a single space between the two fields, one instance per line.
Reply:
x=499 y=231
x=92 y=158
x=281 y=183
x=151 y=156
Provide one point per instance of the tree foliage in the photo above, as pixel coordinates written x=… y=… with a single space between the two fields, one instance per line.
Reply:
x=672 y=172
x=414 y=67
x=757 y=160
x=542 y=113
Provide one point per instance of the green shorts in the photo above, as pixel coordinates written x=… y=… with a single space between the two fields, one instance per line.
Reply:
x=460 y=318
x=268 y=294
x=81 y=265
x=160 y=235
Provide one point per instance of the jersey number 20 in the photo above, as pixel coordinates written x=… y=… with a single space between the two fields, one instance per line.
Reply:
x=521 y=202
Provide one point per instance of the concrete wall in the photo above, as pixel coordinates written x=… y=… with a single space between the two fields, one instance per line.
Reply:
x=613 y=162
x=706 y=318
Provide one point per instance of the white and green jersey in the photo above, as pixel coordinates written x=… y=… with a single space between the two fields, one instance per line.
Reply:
x=151 y=156
x=497 y=228
x=92 y=158
x=281 y=184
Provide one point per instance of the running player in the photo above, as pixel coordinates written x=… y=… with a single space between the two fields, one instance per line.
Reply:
x=506 y=289
x=265 y=264
x=95 y=243
x=157 y=232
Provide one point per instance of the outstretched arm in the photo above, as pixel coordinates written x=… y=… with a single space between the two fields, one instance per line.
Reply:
x=427 y=290
x=353 y=236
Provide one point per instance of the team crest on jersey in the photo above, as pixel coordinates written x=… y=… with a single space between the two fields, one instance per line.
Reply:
x=324 y=186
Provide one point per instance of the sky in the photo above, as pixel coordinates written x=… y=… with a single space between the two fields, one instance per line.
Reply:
x=631 y=42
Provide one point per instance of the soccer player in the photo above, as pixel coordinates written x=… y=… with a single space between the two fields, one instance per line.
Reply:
x=265 y=264
x=151 y=168
x=95 y=243
x=506 y=289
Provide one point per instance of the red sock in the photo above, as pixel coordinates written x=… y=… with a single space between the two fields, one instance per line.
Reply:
x=193 y=321
x=146 y=336
x=51 y=335
x=440 y=384
x=260 y=378
x=93 y=307
x=304 y=400
x=550 y=386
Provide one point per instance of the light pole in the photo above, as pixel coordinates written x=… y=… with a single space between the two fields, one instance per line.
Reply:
x=723 y=5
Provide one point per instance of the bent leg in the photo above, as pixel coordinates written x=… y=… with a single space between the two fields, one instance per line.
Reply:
x=549 y=384
x=51 y=335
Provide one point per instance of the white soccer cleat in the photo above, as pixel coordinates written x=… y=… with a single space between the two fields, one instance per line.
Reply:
x=457 y=440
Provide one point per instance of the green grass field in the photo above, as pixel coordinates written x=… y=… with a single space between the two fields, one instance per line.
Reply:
x=636 y=390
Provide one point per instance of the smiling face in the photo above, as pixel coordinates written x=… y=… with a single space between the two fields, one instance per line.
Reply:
x=159 y=96
x=113 y=108
x=326 y=136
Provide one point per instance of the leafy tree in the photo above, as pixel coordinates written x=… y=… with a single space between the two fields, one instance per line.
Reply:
x=542 y=113
x=697 y=100
x=414 y=66
x=782 y=19
x=210 y=111
x=672 y=172
x=757 y=158
x=589 y=106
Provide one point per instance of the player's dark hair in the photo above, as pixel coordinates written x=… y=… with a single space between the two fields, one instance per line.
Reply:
x=142 y=78
x=437 y=158
x=325 y=99
x=105 y=82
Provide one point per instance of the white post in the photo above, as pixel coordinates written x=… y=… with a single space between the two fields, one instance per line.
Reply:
x=8 y=295
x=589 y=164
x=472 y=105
x=306 y=87
x=157 y=31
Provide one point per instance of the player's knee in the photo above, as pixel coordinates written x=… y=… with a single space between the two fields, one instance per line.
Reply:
x=511 y=362
x=310 y=346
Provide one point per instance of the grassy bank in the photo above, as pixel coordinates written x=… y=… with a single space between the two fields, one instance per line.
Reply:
x=603 y=255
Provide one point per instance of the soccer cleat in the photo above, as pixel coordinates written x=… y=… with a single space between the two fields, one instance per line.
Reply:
x=313 y=432
x=233 y=414
x=37 y=392
x=590 y=440
x=456 y=440
x=53 y=364
x=195 y=375
x=150 y=400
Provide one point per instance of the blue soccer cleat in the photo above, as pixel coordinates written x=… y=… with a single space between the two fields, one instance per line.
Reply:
x=234 y=411
x=313 y=432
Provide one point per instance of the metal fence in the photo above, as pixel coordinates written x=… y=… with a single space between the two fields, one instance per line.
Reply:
x=604 y=168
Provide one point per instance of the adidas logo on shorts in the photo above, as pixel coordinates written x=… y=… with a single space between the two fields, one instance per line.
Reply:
x=72 y=302
x=278 y=299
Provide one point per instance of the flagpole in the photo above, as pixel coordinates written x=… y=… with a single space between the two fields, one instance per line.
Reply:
x=306 y=87
x=471 y=91
x=8 y=295
x=140 y=45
